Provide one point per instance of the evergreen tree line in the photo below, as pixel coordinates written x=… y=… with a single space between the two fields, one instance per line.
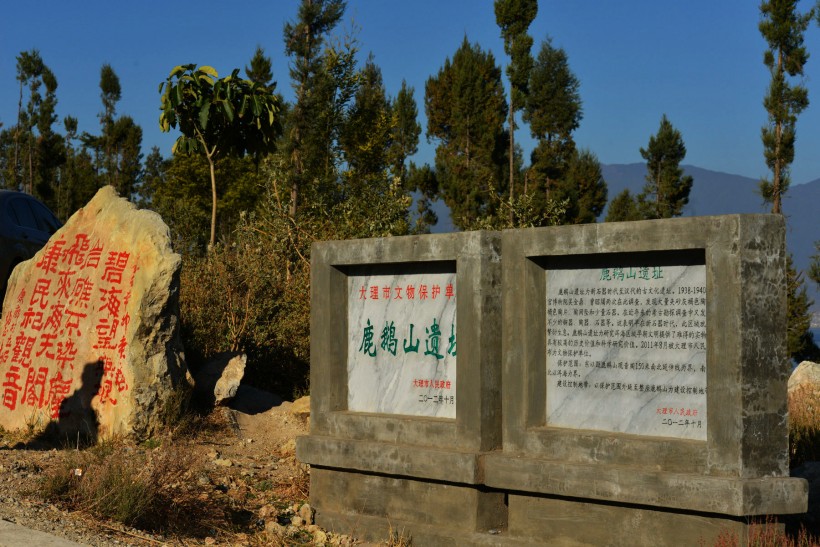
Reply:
x=65 y=169
x=344 y=136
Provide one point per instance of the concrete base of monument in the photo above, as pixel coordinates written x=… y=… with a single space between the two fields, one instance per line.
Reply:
x=384 y=458
x=635 y=485
x=565 y=521
x=374 y=507
x=371 y=507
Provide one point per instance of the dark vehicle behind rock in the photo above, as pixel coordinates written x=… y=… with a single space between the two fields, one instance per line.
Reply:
x=25 y=227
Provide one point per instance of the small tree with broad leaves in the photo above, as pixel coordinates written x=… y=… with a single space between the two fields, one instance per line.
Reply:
x=218 y=117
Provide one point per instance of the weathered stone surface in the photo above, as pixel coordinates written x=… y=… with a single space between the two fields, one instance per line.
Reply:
x=218 y=380
x=89 y=337
x=806 y=374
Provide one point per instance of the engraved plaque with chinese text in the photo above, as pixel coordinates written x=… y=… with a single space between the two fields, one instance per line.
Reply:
x=626 y=349
x=402 y=345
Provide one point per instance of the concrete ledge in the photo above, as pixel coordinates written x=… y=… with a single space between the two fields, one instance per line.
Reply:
x=432 y=513
x=390 y=459
x=378 y=529
x=687 y=491
x=557 y=521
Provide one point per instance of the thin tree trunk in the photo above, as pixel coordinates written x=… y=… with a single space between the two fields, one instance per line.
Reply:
x=30 y=167
x=778 y=130
x=17 y=139
x=512 y=156
x=658 y=194
x=213 y=202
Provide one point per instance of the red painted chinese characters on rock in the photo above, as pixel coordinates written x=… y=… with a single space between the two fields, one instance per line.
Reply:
x=79 y=300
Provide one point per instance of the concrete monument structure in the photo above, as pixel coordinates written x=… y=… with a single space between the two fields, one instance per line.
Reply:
x=643 y=390
x=405 y=384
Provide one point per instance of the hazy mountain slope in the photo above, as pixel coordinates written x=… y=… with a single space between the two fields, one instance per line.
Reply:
x=716 y=193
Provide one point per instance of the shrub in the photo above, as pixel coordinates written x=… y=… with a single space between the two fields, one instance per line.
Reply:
x=238 y=298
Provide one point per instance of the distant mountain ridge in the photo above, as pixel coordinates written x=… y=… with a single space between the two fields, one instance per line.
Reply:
x=716 y=193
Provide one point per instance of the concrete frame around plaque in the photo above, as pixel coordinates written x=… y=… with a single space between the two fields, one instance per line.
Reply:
x=377 y=436
x=741 y=466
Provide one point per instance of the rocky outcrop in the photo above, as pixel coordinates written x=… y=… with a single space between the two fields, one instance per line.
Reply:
x=89 y=336
x=217 y=382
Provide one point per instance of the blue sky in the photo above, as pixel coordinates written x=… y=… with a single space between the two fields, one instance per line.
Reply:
x=698 y=61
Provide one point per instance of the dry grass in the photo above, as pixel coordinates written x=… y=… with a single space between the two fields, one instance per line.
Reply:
x=766 y=533
x=397 y=538
x=152 y=489
x=804 y=425
x=297 y=488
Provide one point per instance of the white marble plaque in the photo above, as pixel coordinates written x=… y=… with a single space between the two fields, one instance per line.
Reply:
x=626 y=350
x=402 y=346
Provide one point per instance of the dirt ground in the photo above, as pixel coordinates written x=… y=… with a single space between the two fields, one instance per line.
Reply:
x=245 y=463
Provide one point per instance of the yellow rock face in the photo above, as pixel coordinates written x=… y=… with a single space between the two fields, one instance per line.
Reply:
x=89 y=332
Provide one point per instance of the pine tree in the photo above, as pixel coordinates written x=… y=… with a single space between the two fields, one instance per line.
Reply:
x=466 y=110
x=800 y=343
x=304 y=40
x=260 y=69
x=584 y=187
x=78 y=178
x=29 y=70
x=782 y=27
x=367 y=126
x=553 y=110
x=37 y=151
x=624 y=207
x=514 y=18
x=153 y=178
x=404 y=138
x=667 y=189
x=814 y=267
x=125 y=141
x=110 y=93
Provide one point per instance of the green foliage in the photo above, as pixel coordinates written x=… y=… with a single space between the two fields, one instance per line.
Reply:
x=366 y=133
x=404 y=137
x=666 y=190
x=65 y=171
x=814 y=266
x=800 y=343
x=252 y=297
x=78 y=182
x=553 y=110
x=523 y=212
x=31 y=152
x=514 y=18
x=110 y=93
x=624 y=207
x=233 y=299
x=260 y=69
x=177 y=188
x=466 y=110
x=584 y=188
x=312 y=74
x=782 y=26
x=218 y=117
x=553 y=107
